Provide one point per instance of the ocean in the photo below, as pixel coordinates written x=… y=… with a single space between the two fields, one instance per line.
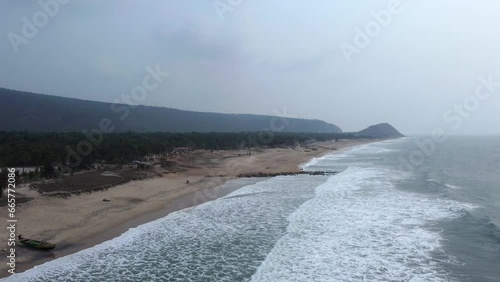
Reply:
x=377 y=220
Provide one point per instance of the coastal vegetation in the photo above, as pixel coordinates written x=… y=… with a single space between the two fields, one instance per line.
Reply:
x=23 y=149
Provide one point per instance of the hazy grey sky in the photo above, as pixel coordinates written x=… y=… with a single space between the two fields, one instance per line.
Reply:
x=263 y=57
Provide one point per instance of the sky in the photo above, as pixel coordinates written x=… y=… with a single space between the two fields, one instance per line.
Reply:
x=418 y=65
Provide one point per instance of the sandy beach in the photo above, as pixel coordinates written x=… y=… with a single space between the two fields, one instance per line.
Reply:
x=82 y=221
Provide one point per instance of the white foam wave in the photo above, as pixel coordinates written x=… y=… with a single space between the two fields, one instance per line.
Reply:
x=454 y=187
x=450 y=186
x=360 y=228
x=222 y=240
x=366 y=152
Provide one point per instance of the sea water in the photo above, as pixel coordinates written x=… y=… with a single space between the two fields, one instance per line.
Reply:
x=374 y=221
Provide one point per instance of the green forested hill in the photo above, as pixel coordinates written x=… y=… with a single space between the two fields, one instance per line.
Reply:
x=44 y=113
x=383 y=130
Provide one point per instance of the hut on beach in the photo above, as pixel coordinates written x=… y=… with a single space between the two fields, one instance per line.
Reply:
x=182 y=150
x=143 y=165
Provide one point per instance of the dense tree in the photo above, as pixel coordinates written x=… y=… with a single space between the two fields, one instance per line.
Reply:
x=19 y=149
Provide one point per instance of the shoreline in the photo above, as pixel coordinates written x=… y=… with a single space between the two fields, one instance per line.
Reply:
x=115 y=232
x=149 y=200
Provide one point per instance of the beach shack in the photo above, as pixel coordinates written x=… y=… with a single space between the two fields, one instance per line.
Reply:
x=182 y=150
x=143 y=165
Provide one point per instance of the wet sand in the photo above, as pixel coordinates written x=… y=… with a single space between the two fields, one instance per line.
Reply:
x=84 y=221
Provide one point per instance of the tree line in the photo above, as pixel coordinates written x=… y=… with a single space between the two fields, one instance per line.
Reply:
x=18 y=149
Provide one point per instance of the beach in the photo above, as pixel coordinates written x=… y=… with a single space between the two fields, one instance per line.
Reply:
x=82 y=221
x=373 y=220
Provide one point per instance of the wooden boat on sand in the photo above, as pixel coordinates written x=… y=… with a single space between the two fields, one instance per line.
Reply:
x=34 y=244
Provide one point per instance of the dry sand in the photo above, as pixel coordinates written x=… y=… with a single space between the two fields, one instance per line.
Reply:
x=85 y=220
